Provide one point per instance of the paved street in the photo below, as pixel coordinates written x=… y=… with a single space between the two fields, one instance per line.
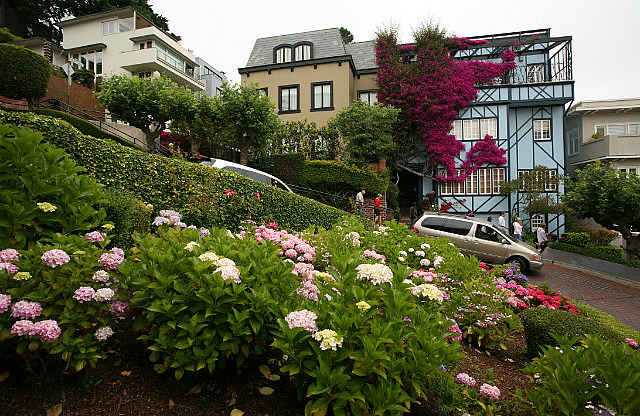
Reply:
x=610 y=296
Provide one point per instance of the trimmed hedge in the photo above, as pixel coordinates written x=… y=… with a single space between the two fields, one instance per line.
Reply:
x=540 y=323
x=287 y=167
x=337 y=177
x=128 y=214
x=578 y=239
x=23 y=73
x=609 y=253
x=197 y=191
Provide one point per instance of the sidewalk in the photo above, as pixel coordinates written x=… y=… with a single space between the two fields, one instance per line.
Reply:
x=612 y=291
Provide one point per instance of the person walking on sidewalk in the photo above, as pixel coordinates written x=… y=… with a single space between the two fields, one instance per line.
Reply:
x=517 y=229
x=502 y=223
x=377 y=210
x=541 y=237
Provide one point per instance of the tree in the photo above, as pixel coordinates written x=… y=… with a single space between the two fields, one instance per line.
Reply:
x=147 y=104
x=610 y=197
x=84 y=77
x=298 y=137
x=531 y=190
x=248 y=117
x=367 y=129
x=347 y=37
x=23 y=74
x=202 y=124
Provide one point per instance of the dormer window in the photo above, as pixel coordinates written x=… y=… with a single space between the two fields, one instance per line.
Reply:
x=283 y=54
x=302 y=52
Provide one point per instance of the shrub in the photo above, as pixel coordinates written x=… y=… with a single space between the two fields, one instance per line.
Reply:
x=41 y=190
x=6 y=36
x=199 y=309
x=128 y=215
x=609 y=253
x=84 y=77
x=288 y=167
x=23 y=73
x=578 y=239
x=540 y=324
x=200 y=191
x=339 y=178
x=591 y=376
x=62 y=286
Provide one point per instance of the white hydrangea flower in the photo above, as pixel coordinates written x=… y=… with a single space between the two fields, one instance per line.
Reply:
x=190 y=246
x=375 y=273
x=329 y=339
x=209 y=256
x=428 y=291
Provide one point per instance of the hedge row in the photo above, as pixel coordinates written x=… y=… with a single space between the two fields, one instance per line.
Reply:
x=609 y=253
x=540 y=323
x=198 y=191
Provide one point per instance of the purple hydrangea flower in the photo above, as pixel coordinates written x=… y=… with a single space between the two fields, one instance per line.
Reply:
x=84 y=294
x=8 y=255
x=10 y=267
x=48 y=330
x=94 y=236
x=5 y=301
x=103 y=333
x=118 y=306
x=113 y=259
x=23 y=327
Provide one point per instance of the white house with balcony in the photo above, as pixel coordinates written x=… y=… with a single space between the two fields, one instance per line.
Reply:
x=122 y=41
x=607 y=130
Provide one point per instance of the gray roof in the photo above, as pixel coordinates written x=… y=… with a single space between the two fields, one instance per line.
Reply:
x=363 y=54
x=327 y=43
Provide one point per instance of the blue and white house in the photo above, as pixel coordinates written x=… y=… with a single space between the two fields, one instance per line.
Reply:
x=524 y=112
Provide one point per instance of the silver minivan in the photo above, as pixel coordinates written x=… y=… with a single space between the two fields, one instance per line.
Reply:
x=480 y=238
x=252 y=173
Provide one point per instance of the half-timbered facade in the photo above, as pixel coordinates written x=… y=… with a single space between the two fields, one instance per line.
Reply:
x=524 y=112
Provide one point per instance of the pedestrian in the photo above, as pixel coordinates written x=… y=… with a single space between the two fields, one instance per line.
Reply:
x=517 y=229
x=413 y=214
x=360 y=202
x=377 y=210
x=470 y=213
x=541 y=237
x=502 y=224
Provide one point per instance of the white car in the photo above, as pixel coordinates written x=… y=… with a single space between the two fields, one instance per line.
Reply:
x=251 y=173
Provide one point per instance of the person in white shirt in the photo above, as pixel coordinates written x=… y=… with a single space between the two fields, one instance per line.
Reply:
x=517 y=229
x=360 y=202
x=501 y=222
x=541 y=238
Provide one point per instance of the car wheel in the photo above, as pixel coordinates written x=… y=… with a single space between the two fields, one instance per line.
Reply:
x=520 y=262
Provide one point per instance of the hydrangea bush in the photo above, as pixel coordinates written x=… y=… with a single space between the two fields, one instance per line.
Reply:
x=59 y=298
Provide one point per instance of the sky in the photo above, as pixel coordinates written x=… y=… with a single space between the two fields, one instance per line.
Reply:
x=606 y=55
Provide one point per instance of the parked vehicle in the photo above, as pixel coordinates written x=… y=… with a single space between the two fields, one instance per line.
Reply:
x=480 y=238
x=252 y=173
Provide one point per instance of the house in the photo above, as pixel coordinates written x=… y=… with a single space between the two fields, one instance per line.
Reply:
x=312 y=75
x=213 y=79
x=53 y=52
x=122 y=41
x=607 y=130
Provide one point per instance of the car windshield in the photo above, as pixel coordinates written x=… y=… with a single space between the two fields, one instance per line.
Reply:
x=486 y=232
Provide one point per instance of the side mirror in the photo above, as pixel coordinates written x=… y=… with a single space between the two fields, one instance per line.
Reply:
x=504 y=241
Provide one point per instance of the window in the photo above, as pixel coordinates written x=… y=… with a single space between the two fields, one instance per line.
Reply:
x=370 y=97
x=484 y=232
x=125 y=25
x=633 y=128
x=536 y=220
x=472 y=183
x=283 y=54
x=446 y=187
x=91 y=61
x=302 y=52
x=574 y=140
x=109 y=27
x=484 y=181
x=265 y=91
x=475 y=129
x=433 y=223
x=322 y=96
x=601 y=130
x=498 y=177
x=542 y=129
x=289 y=98
x=459 y=227
x=545 y=180
x=633 y=171
x=83 y=60
x=142 y=45
x=144 y=74
x=99 y=62
x=535 y=73
x=615 y=129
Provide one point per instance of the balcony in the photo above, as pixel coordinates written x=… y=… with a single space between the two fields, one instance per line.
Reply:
x=147 y=60
x=625 y=146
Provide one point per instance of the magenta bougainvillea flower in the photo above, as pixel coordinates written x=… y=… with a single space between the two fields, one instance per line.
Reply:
x=430 y=87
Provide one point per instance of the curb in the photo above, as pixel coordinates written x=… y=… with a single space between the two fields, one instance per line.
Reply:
x=616 y=279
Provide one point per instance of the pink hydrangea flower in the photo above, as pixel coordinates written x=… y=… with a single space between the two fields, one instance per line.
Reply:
x=94 y=237
x=103 y=333
x=55 y=257
x=112 y=259
x=10 y=267
x=5 y=301
x=302 y=319
x=118 y=306
x=489 y=391
x=23 y=327
x=84 y=294
x=466 y=379
x=632 y=342
x=26 y=310
x=8 y=255
x=48 y=330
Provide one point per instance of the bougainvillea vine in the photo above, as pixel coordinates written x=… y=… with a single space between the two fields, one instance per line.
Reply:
x=430 y=87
